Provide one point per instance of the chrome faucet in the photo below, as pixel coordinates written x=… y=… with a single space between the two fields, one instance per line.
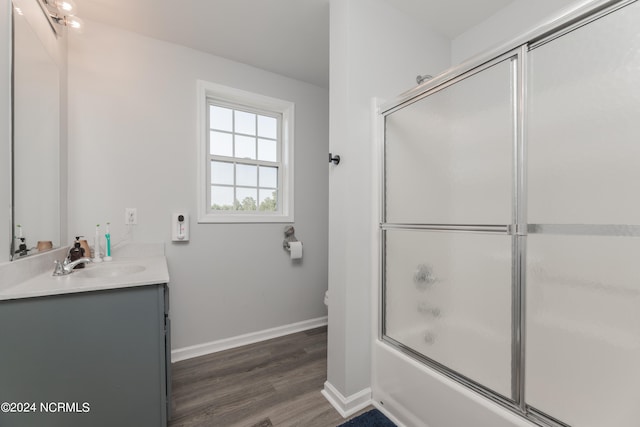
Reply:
x=66 y=267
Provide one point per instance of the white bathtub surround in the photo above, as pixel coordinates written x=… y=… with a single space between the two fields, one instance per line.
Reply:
x=245 y=339
x=349 y=405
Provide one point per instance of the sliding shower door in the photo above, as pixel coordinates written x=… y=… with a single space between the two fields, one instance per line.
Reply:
x=448 y=204
x=583 y=264
x=448 y=156
x=510 y=227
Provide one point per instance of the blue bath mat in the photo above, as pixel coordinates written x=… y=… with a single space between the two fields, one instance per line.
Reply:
x=373 y=418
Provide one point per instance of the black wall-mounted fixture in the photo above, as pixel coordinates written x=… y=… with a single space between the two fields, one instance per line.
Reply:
x=335 y=159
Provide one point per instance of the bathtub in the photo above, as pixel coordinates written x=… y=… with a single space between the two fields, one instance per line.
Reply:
x=447 y=297
x=418 y=396
x=582 y=347
x=469 y=349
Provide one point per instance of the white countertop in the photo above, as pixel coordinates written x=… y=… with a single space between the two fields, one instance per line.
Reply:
x=121 y=273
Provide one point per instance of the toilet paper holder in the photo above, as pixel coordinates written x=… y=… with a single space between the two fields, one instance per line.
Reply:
x=289 y=236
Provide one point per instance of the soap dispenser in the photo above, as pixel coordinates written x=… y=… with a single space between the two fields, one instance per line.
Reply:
x=77 y=252
x=21 y=242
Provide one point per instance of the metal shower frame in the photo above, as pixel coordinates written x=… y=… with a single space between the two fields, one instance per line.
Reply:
x=516 y=51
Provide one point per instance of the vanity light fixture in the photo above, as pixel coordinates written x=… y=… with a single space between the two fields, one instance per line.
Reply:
x=70 y=21
x=62 y=12
x=66 y=6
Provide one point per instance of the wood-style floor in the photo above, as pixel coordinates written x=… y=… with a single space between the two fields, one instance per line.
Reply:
x=272 y=383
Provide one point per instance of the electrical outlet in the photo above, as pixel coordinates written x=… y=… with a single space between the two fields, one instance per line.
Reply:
x=130 y=216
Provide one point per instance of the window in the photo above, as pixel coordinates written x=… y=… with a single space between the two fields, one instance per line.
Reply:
x=245 y=162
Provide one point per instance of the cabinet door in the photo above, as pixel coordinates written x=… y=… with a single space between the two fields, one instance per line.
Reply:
x=448 y=157
x=103 y=348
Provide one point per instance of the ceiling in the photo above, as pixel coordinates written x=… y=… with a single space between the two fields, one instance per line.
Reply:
x=262 y=33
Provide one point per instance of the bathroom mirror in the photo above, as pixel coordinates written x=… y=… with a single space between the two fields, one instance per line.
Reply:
x=36 y=131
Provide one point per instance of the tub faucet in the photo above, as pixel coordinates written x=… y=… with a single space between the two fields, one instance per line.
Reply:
x=66 y=267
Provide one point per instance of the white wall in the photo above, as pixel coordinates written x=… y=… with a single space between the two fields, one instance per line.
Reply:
x=514 y=20
x=376 y=51
x=133 y=142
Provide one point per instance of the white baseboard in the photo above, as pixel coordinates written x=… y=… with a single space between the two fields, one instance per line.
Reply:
x=346 y=406
x=253 y=337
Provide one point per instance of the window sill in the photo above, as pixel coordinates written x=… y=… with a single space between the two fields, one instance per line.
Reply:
x=244 y=219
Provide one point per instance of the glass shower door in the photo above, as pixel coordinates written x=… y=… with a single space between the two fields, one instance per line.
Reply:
x=448 y=204
x=448 y=298
x=448 y=156
x=583 y=249
x=511 y=224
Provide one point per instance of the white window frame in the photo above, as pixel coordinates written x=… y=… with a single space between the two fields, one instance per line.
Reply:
x=226 y=94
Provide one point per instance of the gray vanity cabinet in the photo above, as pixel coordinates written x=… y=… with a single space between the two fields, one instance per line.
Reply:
x=85 y=359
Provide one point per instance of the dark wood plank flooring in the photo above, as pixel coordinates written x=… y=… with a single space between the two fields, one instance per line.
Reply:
x=272 y=383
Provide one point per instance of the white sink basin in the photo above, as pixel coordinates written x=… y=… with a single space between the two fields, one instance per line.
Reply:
x=111 y=270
